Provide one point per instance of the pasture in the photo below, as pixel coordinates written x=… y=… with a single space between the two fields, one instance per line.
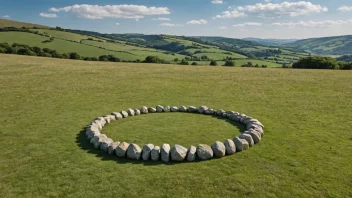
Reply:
x=305 y=152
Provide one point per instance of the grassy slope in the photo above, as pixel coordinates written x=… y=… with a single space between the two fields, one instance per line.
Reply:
x=10 y=23
x=306 y=151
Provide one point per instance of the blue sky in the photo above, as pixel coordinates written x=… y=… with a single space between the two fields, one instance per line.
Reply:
x=230 y=18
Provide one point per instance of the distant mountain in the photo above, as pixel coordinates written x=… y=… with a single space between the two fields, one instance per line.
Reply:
x=271 y=42
x=228 y=42
x=336 y=45
x=18 y=24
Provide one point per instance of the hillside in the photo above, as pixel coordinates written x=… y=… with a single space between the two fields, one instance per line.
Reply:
x=337 y=45
x=17 y=24
x=271 y=42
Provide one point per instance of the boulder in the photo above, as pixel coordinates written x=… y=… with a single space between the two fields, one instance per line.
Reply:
x=107 y=119
x=241 y=144
x=105 y=144
x=121 y=149
x=155 y=153
x=202 y=109
x=167 y=108
x=93 y=134
x=209 y=112
x=204 y=152
x=255 y=136
x=191 y=154
x=151 y=110
x=248 y=138
x=130 y=112
x=224 y=115
x=174 y=109
x=146 y=151
x=183 y=109
x=124 y=114
x=230 y=147
x=159 y=108
x=192 y=109
x=112 y=147
x=117 y=115
x=134 y=151
x=218 y=149
x=137 y=112
x=165 y=153
x=144 y=110
x=97 y=140
x=220 y=112
x=178 y=153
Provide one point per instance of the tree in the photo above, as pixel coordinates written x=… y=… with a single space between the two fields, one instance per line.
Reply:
x=112 y=58
x=152 y=59
x=176 y=60
x=75 y=55
x=316 y=62
x=213 y=63
x=184 y=62
x=194 y=63
x=103 y=58
x=230 y=63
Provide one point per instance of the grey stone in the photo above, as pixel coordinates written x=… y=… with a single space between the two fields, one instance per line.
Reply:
x=146 y=151
x=121 y=149
x=107 y=119
x=218 y=149
x=144 y=110
x=224 y=115
x=155 y=153
x=174 y=109
x=241 y=144
x=255 y=136
x=112 y=147
x=130 y=112
x=209 y=112
x=93 y=134
x=202 y=109
x=230 y=147
x=204 y=152
x=192 y=109
x=105 y=144
x=117 y=115
x=191 y=154
x=183 y=109
x=220 y=112
x=97 y=140
x=124 y=114
x=248 y=138
x=159 y=108
x=178 y=153
x=167 y=108
x=151 y=110
x=137 y=112
x=134 y=151
x=165 y=152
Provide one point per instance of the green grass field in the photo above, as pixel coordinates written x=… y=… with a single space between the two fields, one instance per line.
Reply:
x=11 y=23
x=241 y=62
x=45 y=103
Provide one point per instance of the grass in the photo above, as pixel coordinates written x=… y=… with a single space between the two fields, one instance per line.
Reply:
x=241 y=62
x=306 y=150
x=63 y=35
x=10 y=23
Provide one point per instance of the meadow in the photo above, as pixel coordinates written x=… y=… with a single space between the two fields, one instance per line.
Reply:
x=45 y=103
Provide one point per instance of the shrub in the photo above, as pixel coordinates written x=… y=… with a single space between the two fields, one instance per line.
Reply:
x=112 y=58
x=75 y=55
x=230 y=63
x=153 y=59
x=184 y=62
x=316 y=62
x=103 y=58
x=213 y=63
x=194 y=63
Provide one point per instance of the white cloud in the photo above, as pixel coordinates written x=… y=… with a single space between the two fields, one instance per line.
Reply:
x=171 y=25
x=313 y=24
x=223 y=27
x=161 y=19
x=117 y=23
x=345 y=9
x=48 y=15
x=197 y=22
x=6 y=16
x=217 y=2
x=112 y=11
x=271 y=10
x=248 y=24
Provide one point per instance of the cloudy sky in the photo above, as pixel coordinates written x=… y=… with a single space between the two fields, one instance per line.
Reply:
x=230 y=18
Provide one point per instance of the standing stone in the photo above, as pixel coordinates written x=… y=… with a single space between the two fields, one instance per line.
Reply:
x=220 y=112
x=167 y=108
x=204 y=152
x=124 y=114
x=146 y=151
x=151 y=110
x=117 y=115
x=105 y=144
x=144 y=110
x=159 y=108
x=178 y=153
x=230 y=147
x=134 y=151
x=241 y=144
x=112 y=147
x=165 y=153
x=174 y=109
x=130 y=112
x=137 y=112
x=202 y=109
x=219 y=149
x=191 y=155
x=183 y=109
x=121 y=149
x=155 y=153
x=192 y=109
x=248 y=138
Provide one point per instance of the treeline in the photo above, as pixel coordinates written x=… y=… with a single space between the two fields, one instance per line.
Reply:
x=317 y=62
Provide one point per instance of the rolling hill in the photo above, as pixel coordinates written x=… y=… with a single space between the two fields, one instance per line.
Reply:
x=271 y=42
x=18 y=24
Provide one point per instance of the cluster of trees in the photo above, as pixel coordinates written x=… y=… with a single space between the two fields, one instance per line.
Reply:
x=250 y=64
x=345 y=58
x=318 y=62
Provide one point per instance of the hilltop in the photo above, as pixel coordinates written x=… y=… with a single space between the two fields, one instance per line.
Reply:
x=18 y=24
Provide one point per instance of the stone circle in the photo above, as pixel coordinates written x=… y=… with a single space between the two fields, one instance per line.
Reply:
x=178 y=153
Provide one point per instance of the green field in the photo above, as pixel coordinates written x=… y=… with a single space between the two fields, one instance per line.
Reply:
x=45 y=103
x=241 y=62
x=17 y=24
